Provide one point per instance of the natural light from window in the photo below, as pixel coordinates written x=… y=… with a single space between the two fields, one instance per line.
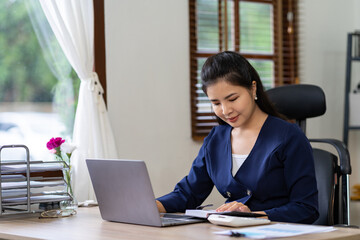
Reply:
x=38 y=90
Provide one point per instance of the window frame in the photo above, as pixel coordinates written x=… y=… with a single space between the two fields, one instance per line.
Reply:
x=284 y=56
x=99 y=44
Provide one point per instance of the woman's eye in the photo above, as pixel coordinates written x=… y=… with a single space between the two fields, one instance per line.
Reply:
x=233 y=99
x=216 y=104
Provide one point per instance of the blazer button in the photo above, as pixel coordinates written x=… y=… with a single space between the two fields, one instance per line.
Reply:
x=228 y=194
x=248 y=192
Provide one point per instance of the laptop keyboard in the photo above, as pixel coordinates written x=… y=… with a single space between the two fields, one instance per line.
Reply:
x=176 y=219
x=172 y=220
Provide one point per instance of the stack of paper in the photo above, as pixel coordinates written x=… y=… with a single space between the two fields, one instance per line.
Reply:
x=35 y=167
x=45 y=183
x=276 y=230
x=207 y=213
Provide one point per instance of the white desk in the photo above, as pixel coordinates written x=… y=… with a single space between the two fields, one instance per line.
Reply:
x=87 y=224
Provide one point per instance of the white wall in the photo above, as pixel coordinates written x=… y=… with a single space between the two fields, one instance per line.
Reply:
x=323 y=38
x=323 y=53
x=148 y=79
x=148 y=86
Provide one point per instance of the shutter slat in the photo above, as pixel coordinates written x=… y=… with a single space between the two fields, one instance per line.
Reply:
x=271 y=50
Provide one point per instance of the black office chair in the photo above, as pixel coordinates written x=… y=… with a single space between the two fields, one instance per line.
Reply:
x=299 y=102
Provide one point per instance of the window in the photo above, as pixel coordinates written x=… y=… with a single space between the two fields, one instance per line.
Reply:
x=37 y=95
x=263 y=31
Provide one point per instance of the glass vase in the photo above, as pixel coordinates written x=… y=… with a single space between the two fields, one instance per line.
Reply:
x=70 y=204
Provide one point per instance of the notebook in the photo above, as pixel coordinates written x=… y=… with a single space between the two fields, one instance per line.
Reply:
x=124 y=194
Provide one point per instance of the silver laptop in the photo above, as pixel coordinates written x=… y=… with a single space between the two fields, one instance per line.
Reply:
x=124 y=193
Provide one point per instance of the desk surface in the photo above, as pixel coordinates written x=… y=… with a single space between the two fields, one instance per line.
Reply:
x=87 y=224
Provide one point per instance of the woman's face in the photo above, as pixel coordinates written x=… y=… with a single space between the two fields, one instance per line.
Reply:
x=234 y=104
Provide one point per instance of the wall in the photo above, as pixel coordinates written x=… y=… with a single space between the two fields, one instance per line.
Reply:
x=323 y=55
x=148 y=86
x=148 y=79
x=323 y=38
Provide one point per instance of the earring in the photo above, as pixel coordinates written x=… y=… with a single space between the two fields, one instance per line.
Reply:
x=256 y=98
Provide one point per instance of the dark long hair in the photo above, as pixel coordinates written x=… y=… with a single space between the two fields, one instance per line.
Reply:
x=235 y=69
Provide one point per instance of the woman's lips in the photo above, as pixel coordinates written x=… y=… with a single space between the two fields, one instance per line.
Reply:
x=233 y=119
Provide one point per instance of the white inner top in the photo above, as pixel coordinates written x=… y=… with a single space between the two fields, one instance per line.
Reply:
x=237 y=161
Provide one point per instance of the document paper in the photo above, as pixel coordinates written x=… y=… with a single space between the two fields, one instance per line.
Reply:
x=277 y=230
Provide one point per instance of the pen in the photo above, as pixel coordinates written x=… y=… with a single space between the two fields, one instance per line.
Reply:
x=202 y=207
x=236 y=234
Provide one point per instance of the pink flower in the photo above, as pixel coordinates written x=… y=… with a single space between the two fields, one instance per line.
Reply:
x=55 y=143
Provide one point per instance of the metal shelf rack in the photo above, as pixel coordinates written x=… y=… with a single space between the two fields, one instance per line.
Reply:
x=352 y=55
x=25 y=184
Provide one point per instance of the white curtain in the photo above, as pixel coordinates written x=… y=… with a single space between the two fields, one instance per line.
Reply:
x=73 y=24
x=63 y=101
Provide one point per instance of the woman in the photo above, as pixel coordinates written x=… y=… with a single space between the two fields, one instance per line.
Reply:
x=256 y=160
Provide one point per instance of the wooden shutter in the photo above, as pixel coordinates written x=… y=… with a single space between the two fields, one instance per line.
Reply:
x=286 y=42
x=263 y=31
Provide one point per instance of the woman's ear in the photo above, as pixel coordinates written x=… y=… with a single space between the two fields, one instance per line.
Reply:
x=253 y=88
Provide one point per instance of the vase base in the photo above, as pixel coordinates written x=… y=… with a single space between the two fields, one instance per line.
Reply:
x=69 y=204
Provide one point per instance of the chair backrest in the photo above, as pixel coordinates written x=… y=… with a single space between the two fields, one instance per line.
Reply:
x=299 y=102
x=325 y=168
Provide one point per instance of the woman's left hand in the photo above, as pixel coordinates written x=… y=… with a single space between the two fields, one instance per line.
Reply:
x=233 y=206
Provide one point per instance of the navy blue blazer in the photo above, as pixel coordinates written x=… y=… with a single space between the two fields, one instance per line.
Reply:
x=277 y=177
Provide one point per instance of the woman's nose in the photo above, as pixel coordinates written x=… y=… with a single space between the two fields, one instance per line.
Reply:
x=226 y=109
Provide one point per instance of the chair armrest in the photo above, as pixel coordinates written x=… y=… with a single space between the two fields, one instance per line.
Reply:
x=344 y=156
